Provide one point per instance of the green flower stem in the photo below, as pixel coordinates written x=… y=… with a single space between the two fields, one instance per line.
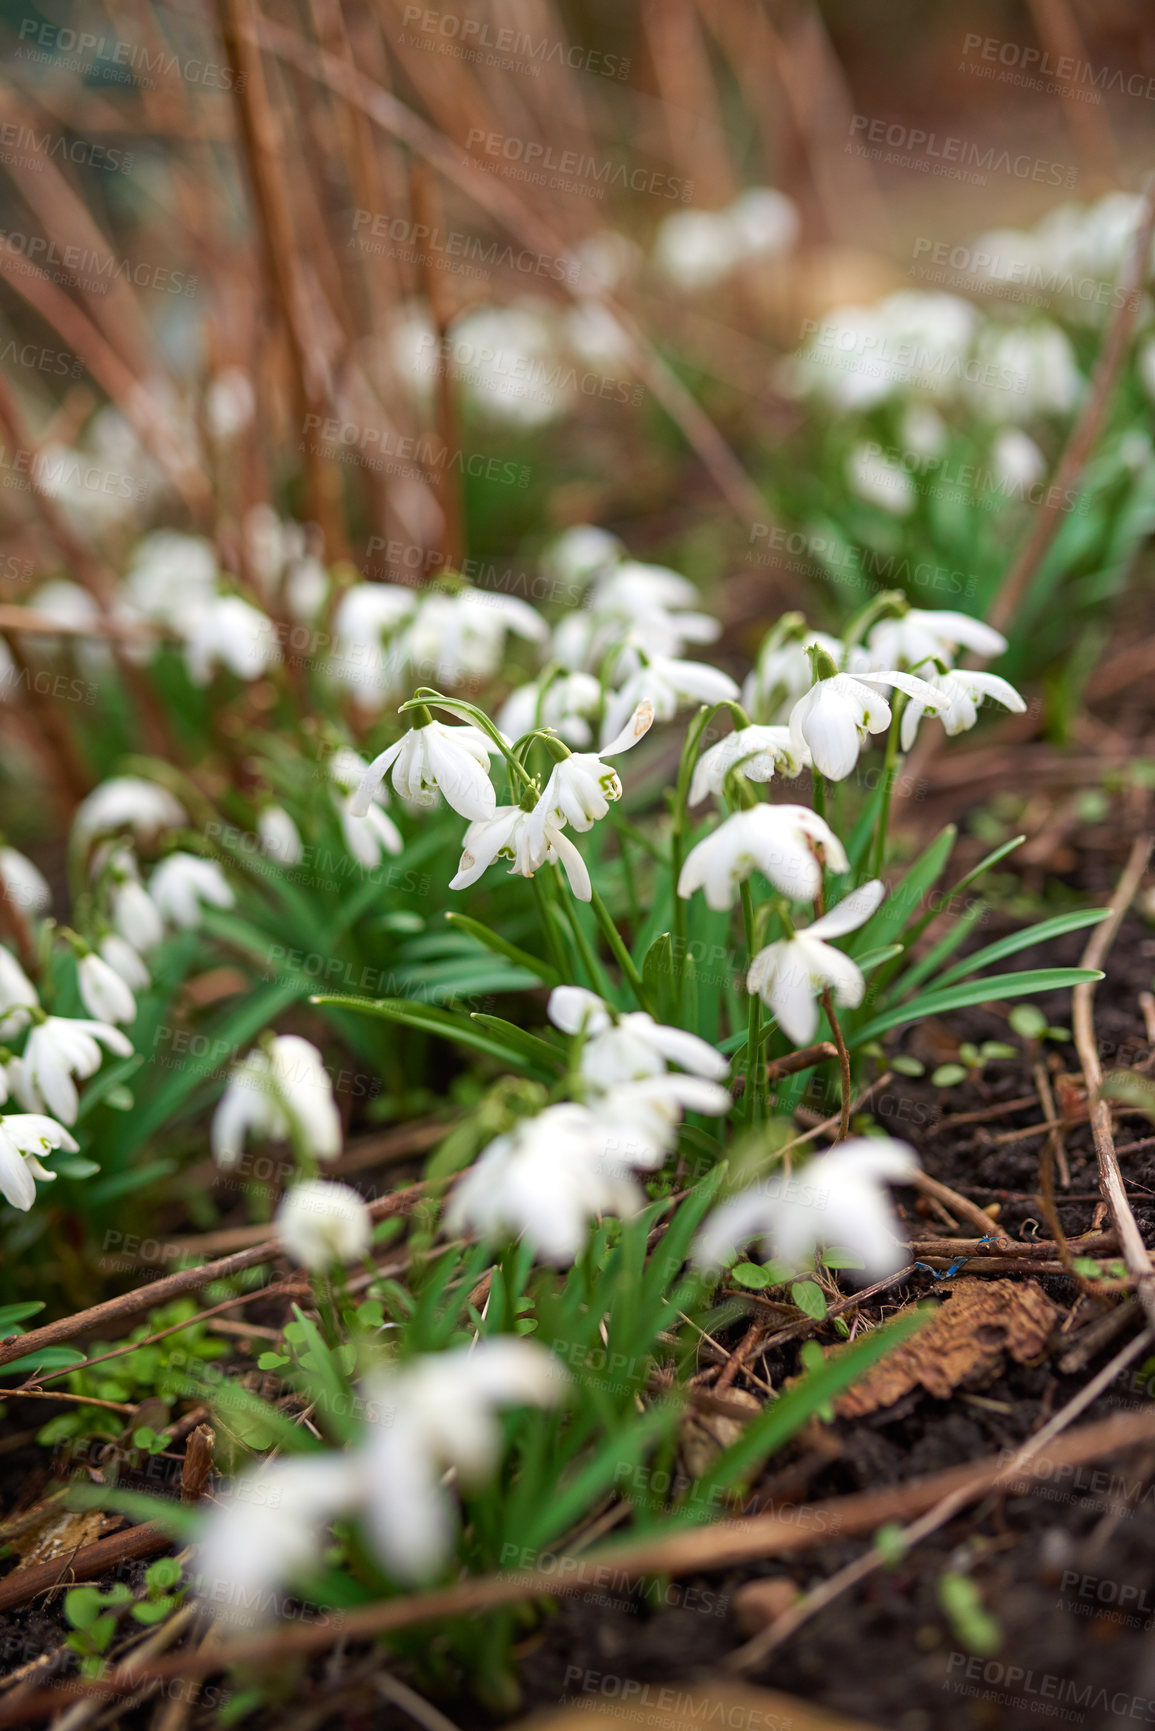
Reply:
x=888 y=774
x=623 y=957
x=559 y=961
x=843 y=1064
x=753 y=1017
x=690 y=752
x=477 y=718
x=583 y=944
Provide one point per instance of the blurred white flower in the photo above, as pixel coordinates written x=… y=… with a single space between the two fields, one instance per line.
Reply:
x=547 y=1179
x=103 y=991
x=229 y=404
x=630 y=1046
x=777 y=840
x=272 y=1091
x=125 y=961
x=23 y=883
x=696 y=249
x=171 y=579
x=924 y=432
x=459 y=636
x=1025 y=370
x=230 y=632
x=757 y=751
x=279 y=836
x=836 y=714
x=666 y=683
x=321 y=1223
x=127 y=802
x=782 y=672
x=640 y=1119
x=579 y=554
x=837 y=1200
x=368 y=837
x=24 y=1136
x=765 y=221
x=1017 y=460
x=17 y=995
x=565 y=703
x=506 y=359
x=183 y=884
x=789 y=975
x=452 y=761
x=56 y=1050
x=879 y=480
x=432 y=1414
x=928 y=635
x=960 y=694
x=135 y=915
x=366 y=660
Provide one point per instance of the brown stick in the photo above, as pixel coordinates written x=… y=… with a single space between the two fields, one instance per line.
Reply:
x=84 y=1564
x=1131 y=1244
x=160 y=1291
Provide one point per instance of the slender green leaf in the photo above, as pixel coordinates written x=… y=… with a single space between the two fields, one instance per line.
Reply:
x=1022 y=940
x=982 y=991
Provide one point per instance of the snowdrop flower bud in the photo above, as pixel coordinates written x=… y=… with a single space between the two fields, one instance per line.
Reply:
x=17 y=995
x=835 y=716
x=837 y=1200
x=547 y=1178
x=121 y=957
x=183 y=884
x=321 y=1223
x=773 y=839
x=127 y=802
x=103 y=992
x=279 y=835
x=925 y=635
x=23 y=1137
x=789 y=974
x=453 y=761
x=23 y=883
x=757 y=751
x=135 y=915
x=57 y=1049
x=1017 y=460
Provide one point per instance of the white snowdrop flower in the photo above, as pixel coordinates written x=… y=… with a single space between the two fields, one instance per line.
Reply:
x=506 y=358
x=172 y=577
x=306 y=588
x=789 y=975
x=125 y=961
x=1025 y=370
x=459 y=636
x=924 y=432
x=837 y=1201
x=640 y=1119
x=270 y=544
x=127 y=802
x=452 y=761
x=925 y=635
x=24 y=1136
x=231 y=633
x=836 y=714
x=103 y=991
x=547 y=1179
x=630 y=1046
x=183 y=884
x=1017 y=460
x=135 y=915
x=270 y=1092
x=23 y=883
x=17 y=995
x=758 y=752
x=229 y=404
x=667 y=683
x=633 y=589
x=776 y=840
x=960 y=694
x=321 y=1223
x=56 y=1050
x=266 y=1528
x=596 y=336
x=279 y=836
x=373 y=835
x=435 y=1413
x=765 y=221
x=579 y=554
x=879 y=480
x=65 y=603
x=696 y=249
x=581 y=787
x=606 y=259
x=566 y=705
x=782 y=673
x=365 y=660
x=508 y=835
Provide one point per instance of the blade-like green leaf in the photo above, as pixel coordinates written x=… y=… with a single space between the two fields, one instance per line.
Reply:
x=500 y=946
x=1009 y=946
x=431 y=1020
x=982 y=991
